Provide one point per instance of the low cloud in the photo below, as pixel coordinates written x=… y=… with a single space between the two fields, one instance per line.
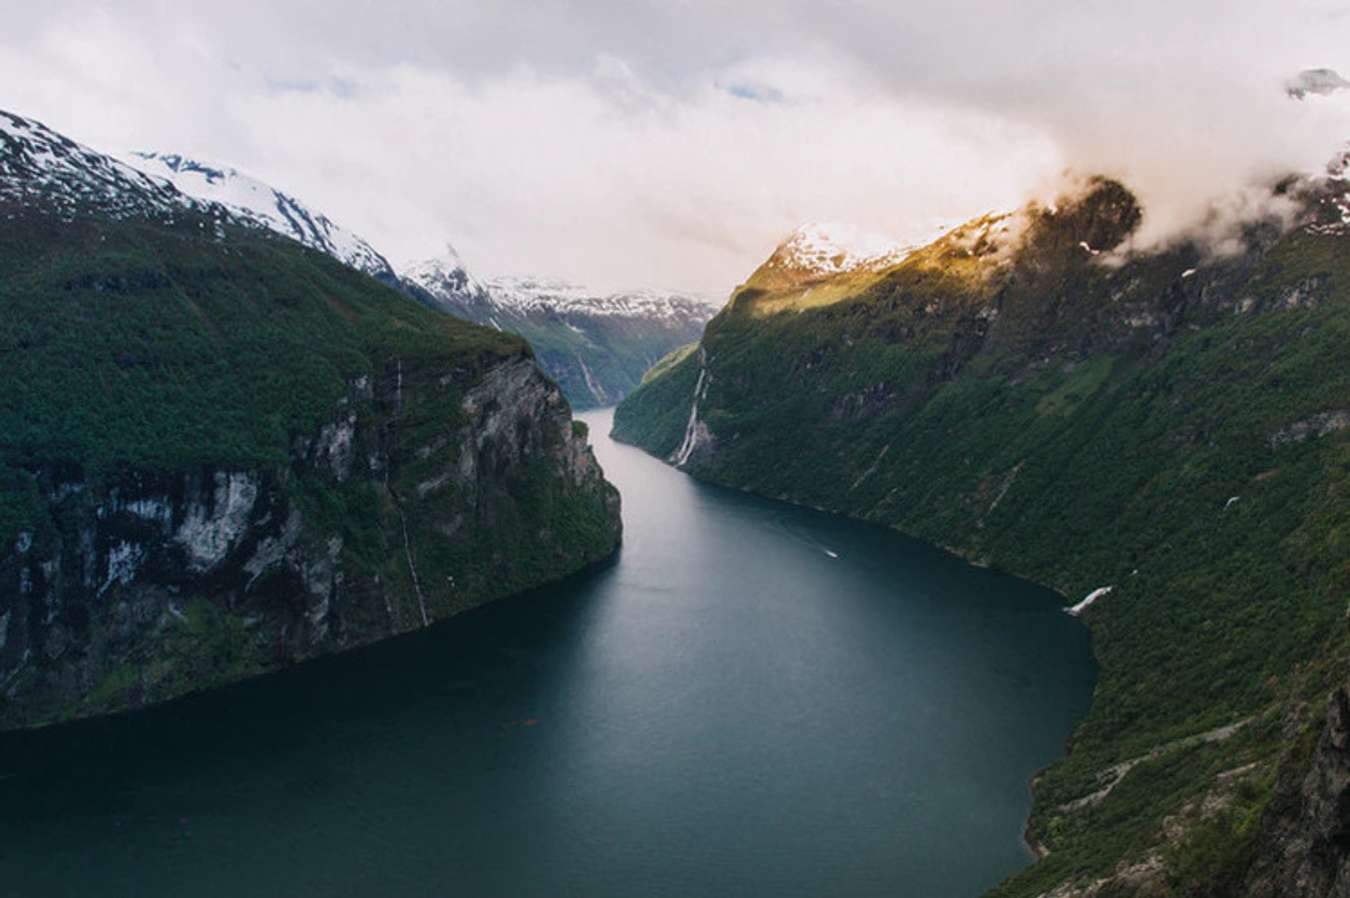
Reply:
x=675 y=145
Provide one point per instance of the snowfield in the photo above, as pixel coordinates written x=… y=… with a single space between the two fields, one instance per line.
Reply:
x=265 y=205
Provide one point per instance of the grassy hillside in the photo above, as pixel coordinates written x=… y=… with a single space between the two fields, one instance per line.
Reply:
x=1172 y=426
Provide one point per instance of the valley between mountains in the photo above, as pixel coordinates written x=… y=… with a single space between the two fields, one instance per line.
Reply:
x=235 y=437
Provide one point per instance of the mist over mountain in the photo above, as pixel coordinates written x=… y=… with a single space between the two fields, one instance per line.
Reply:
x=988 y=532
x=1158 y=431
x=428 y=123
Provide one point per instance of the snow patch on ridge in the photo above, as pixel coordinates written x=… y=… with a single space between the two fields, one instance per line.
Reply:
x=525 y=296
x=828 y=248
x=429 y=273
x=263 y=204
x=40 y=167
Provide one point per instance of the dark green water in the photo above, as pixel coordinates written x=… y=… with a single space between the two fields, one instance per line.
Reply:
x=729 y=710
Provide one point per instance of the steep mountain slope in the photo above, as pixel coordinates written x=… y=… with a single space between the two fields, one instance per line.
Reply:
x=41 y=167
x=1166 y=432
x=250 y=198
x=596 y=346
x=444 y=284
x=222 y=452
x=819 y=252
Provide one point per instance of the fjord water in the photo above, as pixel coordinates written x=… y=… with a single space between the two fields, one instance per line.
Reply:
x=754 y=699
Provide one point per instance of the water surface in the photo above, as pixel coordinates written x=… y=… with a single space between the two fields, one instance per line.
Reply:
x=754 y=700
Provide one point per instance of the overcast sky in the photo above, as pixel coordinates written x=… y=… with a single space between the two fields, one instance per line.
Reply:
x=673 y=144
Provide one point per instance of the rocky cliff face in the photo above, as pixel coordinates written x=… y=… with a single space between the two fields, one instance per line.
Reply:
x=1308 y=833
x=142 y=586
x=222 y=452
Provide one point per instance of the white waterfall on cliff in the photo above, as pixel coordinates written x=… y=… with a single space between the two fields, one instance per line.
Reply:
x=1087 y=603
x=682 y=454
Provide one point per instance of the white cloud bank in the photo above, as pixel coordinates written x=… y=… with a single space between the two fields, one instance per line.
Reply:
x=674 y=144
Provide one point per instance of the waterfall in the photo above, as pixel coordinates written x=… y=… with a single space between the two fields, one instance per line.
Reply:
x=682 y=454
x=597 y=391
x=1087 y=603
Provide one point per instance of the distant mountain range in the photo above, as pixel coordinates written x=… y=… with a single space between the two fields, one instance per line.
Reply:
x=596 y=345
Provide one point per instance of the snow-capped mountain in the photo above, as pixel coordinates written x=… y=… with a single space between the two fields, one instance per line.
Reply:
x=449 y=285
x=266 y=205
x=597 y=345
x=825 y=249
x=39 y=166
x=531 y=295
x=444 y=284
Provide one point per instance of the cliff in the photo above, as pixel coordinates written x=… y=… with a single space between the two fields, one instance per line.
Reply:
x=143 y=585
x=1037 y=394
x=222 y=453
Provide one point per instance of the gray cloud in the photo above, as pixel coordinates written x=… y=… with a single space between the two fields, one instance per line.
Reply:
x=674 y=143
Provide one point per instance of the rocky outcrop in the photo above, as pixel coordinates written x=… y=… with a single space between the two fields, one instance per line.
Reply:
x=1319 y=425
x=1309 y=829
x=427 y=492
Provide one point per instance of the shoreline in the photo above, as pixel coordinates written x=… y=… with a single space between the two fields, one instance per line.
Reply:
x=1036 y=851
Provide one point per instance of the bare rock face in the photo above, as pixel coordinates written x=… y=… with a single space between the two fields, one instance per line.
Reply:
x=1309 y=837
x=428 y=492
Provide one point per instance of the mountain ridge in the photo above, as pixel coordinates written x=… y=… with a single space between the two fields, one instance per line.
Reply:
x=821 y=250
x=268 y=206
x=596 y=345
x=1161 y=431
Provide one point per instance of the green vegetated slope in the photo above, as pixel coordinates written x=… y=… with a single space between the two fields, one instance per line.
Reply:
x=599 y=358
x=669 y=361
x=221 y=452
x=654 y=415
x=1170 y=424
x=131 y=343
